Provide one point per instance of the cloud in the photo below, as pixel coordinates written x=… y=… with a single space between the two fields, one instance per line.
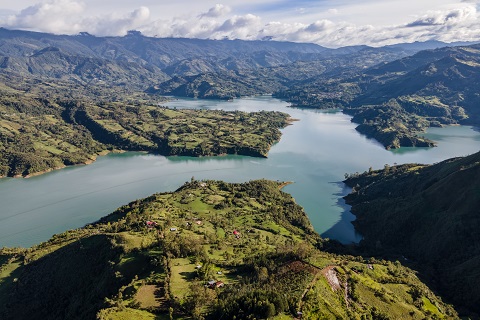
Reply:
x=446 y=17
x=66 y=16
x=218 y=10
x=332 y=11
x=236 y=22
x=456 y=22
x=50 y=16
x=320 y=26
x=117 y=25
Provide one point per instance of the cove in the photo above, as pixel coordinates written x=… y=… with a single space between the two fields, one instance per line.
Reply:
x=314 y=152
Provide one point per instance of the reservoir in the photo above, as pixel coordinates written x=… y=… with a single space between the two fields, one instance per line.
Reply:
x=314 y=152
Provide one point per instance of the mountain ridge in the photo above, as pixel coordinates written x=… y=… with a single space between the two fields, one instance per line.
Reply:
x=429 y=214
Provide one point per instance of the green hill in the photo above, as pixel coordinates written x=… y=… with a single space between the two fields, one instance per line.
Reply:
x=42 y=129
x=210 y=250
x=395 y=102
x=429 y=214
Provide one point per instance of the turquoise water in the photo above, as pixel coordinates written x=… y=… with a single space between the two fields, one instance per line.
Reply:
x=314 y=152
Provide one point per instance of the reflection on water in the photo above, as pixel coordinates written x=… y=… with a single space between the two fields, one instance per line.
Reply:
x=314 y=152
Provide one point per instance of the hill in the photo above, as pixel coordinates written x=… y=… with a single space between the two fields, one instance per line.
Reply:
x=428 y=214
x=209 y=250
x=50 y=124
x=394 y=102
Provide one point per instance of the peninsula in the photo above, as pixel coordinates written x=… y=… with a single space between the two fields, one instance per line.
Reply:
x=209 y=250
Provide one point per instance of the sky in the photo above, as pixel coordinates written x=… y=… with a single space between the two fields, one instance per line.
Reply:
x=331 y=23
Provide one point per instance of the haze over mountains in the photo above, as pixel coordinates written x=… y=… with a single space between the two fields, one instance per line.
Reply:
x=173 y=56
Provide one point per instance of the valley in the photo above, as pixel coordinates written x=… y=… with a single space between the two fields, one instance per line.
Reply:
x=147 y=114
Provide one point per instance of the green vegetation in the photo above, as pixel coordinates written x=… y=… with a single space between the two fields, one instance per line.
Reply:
x=428 y=214
x=66 y=99
x=183 y=132
x=221 y=85
x=41 y=134
x=210 y=250
x=395 y=102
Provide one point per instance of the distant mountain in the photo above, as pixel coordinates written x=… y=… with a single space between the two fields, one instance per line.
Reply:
x=428 y=45
x=159 y=52
x=438 y=85
x=394 y=101
x=428 y=214
x=220 y=85
x=452 y=75
x=234 y=77
x=177 y=56
x=53 y=62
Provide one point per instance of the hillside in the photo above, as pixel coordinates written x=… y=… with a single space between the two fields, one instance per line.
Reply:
x=53 y=62
x=394 y=102
x=44 y=127
x=150 y=61
x=209 y=250
x=160 y=52
x=360 y=79
x=433 y=87
x=429 y=214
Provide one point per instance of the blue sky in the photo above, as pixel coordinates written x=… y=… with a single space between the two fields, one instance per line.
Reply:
x=331 y=23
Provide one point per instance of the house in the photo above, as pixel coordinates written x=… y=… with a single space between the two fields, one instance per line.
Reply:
x=236 y=234
x=173 y=229
x=151 y=224
x=199 y=222
x=212 y=284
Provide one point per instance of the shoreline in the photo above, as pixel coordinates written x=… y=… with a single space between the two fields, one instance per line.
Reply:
x=92 y=159
x=106 y=152
x=284 y=184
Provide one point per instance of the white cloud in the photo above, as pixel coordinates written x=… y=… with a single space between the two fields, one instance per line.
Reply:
x=117 y=25
x=218 y=10
x=66 y=16
x=451 y=17
x=49 y=16
x=458 y=21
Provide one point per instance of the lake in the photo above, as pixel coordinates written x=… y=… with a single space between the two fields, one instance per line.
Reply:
x=314 y=153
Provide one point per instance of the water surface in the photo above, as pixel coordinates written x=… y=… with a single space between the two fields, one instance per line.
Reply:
x=314 y=152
